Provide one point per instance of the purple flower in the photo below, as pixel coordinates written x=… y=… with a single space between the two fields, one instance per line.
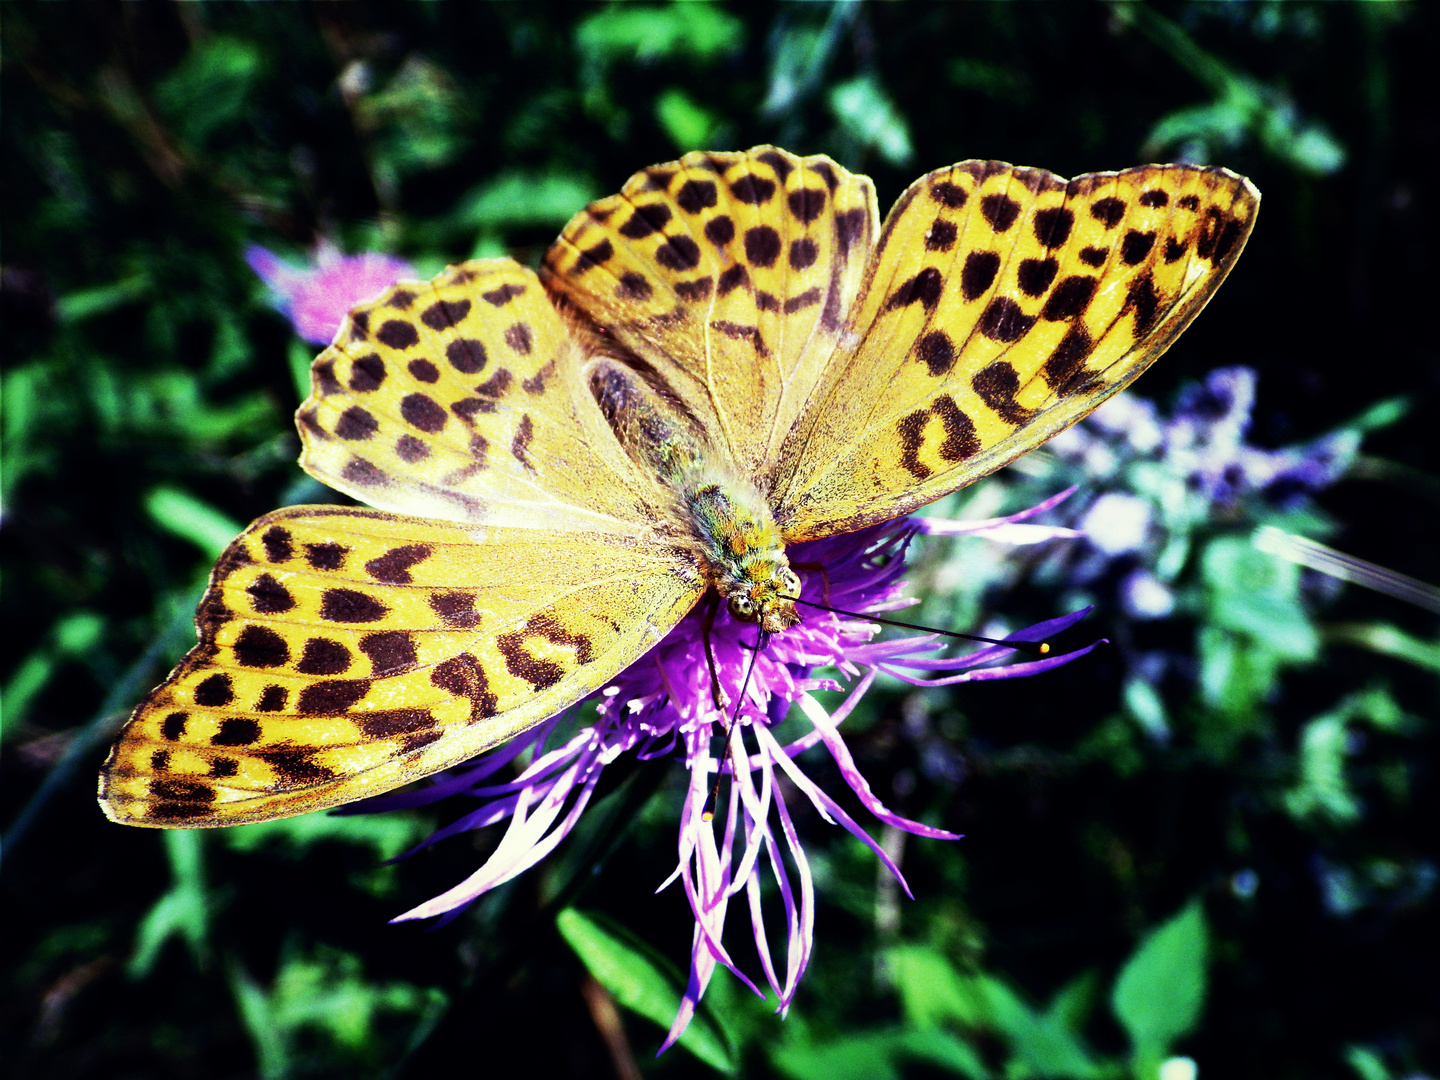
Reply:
x=316 y=298
x=663 y=705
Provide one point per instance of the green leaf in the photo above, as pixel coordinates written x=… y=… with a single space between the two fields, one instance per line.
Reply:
x=1045 y=1043
x=386 y=835
x=515 y=200
x=688 y=125
x=639 y=980
x=182 y=912
x=1323 y=791
x=876 y=1055
x=646 y=34
x=299 y=357
x=1389 y=640
x=1368 y=1065
x=934 y=995
x=85 y=303
x=210 y=88
x=187 y=517
x=1258 y=595
x=1161 y=989
x=866 y=111
x=1143 y=702
x=931 y=992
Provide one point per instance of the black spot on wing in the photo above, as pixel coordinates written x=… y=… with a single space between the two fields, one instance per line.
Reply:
x=323 y=656
x=678 y=253
x=1053 y=224
x=268 y=596
x=1136 y=246
x=762 y=245
x=1000 y=211
x=444 y=314
x=393 y=567
x=996 y=385
x=367 y=373
x=645 y=220
x=1070 y=298
x=1004 y=320
x=1035 y=275
x=397 y=334
x=215 y=691
x=978 y=273
x=1109 y=211
x=948 y=194
x=941 y=236
x=278 y=544
x=924 y=288
x=752 y=189
x=260 y=647
x=936 y=351
x=350 y=606
x=356 y=424
x=696 y=195
x=423 y=370
x=720 y=230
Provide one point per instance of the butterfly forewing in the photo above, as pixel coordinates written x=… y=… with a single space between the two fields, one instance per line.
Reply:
x=1002 y=305
x=464 y=398
x=344 y=652
x=731 y=275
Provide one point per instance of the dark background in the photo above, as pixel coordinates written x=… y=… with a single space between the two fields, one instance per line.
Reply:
x=145 y=145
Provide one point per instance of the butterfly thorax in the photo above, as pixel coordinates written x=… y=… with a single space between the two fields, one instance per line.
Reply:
x=737 y=543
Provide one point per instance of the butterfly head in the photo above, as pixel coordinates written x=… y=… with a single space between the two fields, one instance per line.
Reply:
x=764 y=592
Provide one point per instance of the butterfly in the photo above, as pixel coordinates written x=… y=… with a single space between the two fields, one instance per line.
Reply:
x=730 y=356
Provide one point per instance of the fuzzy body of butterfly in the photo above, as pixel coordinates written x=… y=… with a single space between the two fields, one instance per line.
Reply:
x=731 y=355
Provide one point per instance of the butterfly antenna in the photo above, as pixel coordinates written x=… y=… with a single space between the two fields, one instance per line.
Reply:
x=762 y=642
x=1034 y=648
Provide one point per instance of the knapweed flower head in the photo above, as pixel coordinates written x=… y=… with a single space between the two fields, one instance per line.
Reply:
x=317 y=297
x=665 y=705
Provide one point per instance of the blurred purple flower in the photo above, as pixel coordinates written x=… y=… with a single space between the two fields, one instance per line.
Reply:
x=1204 y=444
x=663 y=705
x=1205 y=440
x=316 y=298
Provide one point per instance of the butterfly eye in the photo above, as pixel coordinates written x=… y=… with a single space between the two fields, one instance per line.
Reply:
x=789 y=583
x=742 y=607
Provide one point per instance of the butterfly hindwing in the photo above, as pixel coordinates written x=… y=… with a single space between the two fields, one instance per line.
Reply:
x=345 y=651
x=1001 y=306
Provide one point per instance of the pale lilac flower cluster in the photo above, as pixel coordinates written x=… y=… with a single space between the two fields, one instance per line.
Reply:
x=1205 y=439
x=317 y=297
x=663 y=706
x=1161 y=479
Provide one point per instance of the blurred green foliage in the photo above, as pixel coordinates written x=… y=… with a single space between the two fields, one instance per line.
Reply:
x=1275 y=786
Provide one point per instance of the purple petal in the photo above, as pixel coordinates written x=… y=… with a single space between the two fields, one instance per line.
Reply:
x=858 y=784
x=1015 y=671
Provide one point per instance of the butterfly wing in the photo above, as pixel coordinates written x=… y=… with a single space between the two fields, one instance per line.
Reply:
x=729 y=275
x=464 y=398
x=344 y=652
x=1000 y=306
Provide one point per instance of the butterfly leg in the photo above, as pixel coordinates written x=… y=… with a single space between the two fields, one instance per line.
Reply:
x=717 y=693
x=815 y=568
